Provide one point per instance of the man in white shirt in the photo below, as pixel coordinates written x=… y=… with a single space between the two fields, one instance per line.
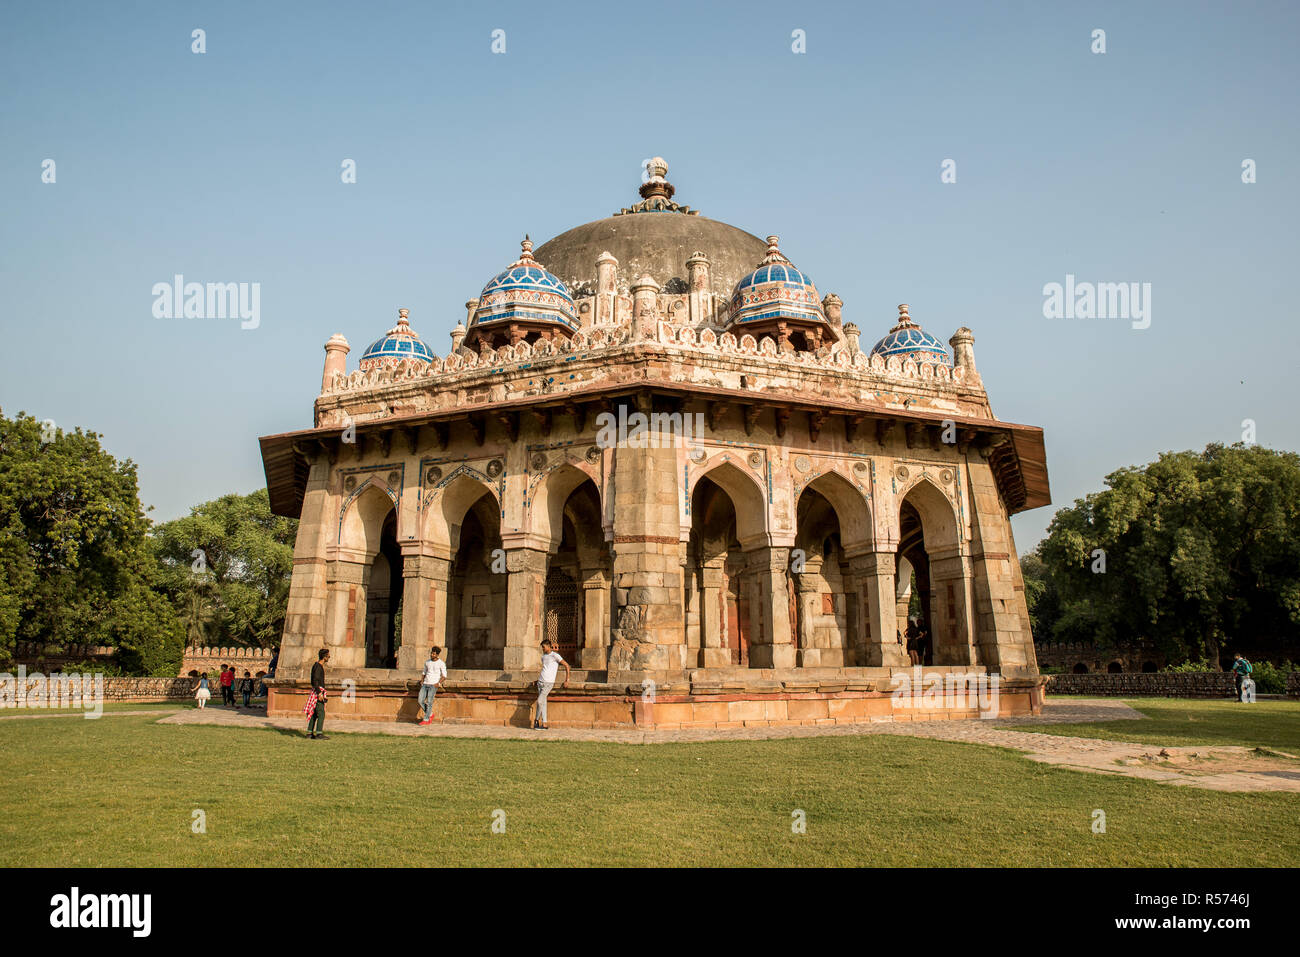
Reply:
x=551 y=662
x=435 y=670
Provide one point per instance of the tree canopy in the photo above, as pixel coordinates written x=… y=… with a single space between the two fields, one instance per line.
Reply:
x=1182 y=555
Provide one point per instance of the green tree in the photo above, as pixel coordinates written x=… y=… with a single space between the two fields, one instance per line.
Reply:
x=74 y=564
x=1197 y=549
x=226 y=568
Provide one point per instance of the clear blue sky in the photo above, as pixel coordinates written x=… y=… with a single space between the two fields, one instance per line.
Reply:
x=225 y=167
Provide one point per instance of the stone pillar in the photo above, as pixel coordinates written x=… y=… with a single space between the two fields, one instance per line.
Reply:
x=336 y=359
x=425 y=581
x=963 y=351
x=809 y=602
x=594 y=655
x=950 y=576
x=701 y=289
x=306 y=614
x=645 y=293
x=833 y=306
x=1000 y=622
x=648 y=631
x=712 y=653
x=345 y=626
x=874 y=572
x=458 y=334
x=606 y=289
x=774 y=648
x=852 y=334
x=525 y=587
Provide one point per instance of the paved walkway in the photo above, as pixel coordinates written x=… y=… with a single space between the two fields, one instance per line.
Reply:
x=1217 y=768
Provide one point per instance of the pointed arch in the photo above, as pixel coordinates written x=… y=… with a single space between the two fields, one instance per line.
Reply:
x=447 y=505
x=361 y=520
x=851 y=508
x=550 y=499
x=937 y=512
x=747 y=496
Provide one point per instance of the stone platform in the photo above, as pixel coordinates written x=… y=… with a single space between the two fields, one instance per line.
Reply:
x=722 y=698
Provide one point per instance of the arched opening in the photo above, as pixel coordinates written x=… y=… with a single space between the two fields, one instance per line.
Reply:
x=476 y=594
x=822 y=594
x=1149 y=667
x=719 y=594
x=384 y=599
x=1080 y=668
x=936 y=628
x=579 y=568
x=1115 y=668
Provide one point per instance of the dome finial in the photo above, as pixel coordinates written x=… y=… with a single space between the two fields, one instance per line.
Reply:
x=526 y=249
x=903 y=318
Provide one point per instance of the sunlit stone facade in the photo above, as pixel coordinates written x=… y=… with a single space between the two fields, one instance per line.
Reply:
x=749 y=557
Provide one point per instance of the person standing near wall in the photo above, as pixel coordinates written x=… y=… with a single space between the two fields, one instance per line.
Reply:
x=315 y=709
x=435 y=671
x=551 y=662
x=1241 y=668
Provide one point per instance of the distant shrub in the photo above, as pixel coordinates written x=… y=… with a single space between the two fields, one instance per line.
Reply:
x=1271 y=678
x=1192 y=667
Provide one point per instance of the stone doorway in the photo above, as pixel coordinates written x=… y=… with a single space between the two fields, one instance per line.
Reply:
x=561 y=622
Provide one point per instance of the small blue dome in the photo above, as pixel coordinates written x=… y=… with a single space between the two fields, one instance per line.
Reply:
x=909 y=341
x=399 y=343
x=526 y=292
x=776 y=290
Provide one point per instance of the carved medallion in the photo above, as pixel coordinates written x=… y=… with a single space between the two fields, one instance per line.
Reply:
x=538 y=461
x=946 y=475
x=495 y=468
x=433 y=475
x=393 y=479
x=901 y=472
x=349 y=483
x=593 y=455
x=755 y=460
x=698 y=455
x=802 y=463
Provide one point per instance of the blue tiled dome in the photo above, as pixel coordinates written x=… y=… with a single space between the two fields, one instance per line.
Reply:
x=775 y=290
x=909 y=341
x=399 y=343
x=526 y=292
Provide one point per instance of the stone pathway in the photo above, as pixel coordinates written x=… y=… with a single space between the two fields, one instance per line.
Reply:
x=1218 y=768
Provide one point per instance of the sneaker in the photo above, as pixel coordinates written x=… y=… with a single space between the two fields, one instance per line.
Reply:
x=426 y=721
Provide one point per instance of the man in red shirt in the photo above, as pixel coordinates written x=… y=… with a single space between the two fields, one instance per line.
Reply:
x=228 y=685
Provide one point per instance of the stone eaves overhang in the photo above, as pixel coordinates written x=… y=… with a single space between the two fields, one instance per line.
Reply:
x=1016 y=453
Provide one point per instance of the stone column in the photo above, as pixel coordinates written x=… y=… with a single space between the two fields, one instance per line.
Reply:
x=774 y=649
x=594 y=655
x=305 y=620
x=425 y=582
x=712 y=653
x=809 y=602
x=874 y=572
x=336 y=359
x=701 y=289
x=950 y=576
x=525 y=608
x=1001 y=620
x=606 y=291
x=345 y=626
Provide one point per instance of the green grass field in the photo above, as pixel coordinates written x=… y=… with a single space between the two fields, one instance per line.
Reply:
x=1178 y=722
x=122 y=790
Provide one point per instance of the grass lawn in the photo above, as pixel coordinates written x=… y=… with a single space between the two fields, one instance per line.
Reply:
x=1179 y=722
x=121 y=791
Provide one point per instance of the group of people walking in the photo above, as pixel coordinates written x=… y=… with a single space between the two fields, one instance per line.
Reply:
x=231 y=685
x=435 y=674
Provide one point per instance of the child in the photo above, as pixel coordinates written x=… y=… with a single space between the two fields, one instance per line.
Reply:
x=551 y=662
x=246 y=687
x=203 y=694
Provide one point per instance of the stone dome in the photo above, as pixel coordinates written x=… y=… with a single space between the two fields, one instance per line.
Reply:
x=909 y=341
x=398 y=343
x=526 y=292
x=655 y=237
x=776 y=290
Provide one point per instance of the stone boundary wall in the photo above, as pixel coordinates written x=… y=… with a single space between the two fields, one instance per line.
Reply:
x=151 y=689
x=34 y=654
x=1164 y=685
x=210 y=660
